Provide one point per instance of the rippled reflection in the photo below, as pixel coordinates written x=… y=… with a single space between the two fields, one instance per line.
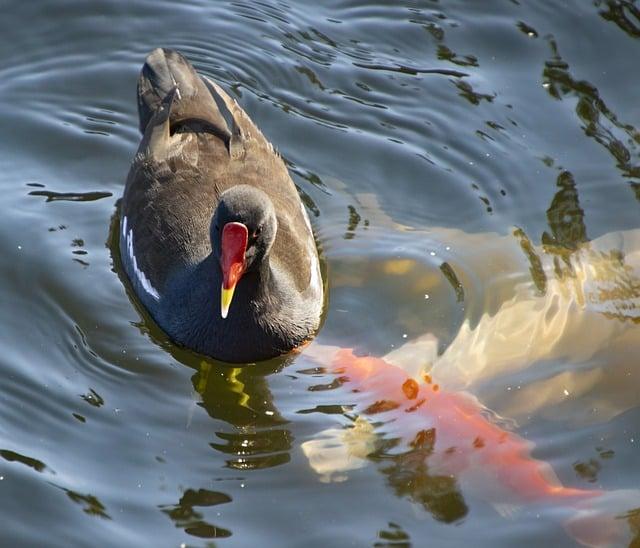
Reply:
x=394 y=536
x=185 y=515
x=70 y=196
x=565 y=218
x=12 y=456
x=623 y=13
x=240 y=396
x=89 y=503
x=599 y=122
x=409 y=476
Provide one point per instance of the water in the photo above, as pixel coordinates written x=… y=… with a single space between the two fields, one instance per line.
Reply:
x=110 y=435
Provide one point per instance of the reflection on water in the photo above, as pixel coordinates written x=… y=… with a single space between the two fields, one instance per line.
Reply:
x=12 y=456
x=623 y=13
x=185 y=516
x=565 y=218
x=408 y=475
x=393 y=537
x=240 y=396
x=89 y=503
x=599 y=122
x=70 y=196
x=237 y=395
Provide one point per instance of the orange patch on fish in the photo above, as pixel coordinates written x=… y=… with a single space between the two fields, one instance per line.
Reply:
x=410 y=388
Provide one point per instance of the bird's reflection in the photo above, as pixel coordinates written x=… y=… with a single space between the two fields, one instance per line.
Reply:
x=240 y=397
x=257 y=437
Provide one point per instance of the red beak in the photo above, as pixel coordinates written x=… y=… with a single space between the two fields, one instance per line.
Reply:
x=233 y=247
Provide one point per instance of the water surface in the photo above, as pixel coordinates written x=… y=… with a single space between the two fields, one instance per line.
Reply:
x=425 y=137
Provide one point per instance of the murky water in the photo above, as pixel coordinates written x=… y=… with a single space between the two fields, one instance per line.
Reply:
x=449 y=152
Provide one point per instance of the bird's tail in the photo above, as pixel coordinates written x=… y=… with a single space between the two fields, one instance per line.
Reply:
x=166 y=71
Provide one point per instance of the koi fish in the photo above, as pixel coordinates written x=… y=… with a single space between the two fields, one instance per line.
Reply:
x=453 y=433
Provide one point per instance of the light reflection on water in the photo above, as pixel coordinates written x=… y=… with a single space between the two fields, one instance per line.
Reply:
x=465 y=165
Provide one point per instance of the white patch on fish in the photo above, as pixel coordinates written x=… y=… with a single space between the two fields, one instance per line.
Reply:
x=142 y=278
x=335 y=451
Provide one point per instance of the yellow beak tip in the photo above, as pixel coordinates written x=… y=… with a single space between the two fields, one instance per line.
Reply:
x=226 y=296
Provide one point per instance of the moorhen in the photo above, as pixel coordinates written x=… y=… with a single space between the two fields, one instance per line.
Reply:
x=214 y=237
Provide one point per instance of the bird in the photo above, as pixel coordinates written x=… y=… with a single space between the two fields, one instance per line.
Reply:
x=214 y=237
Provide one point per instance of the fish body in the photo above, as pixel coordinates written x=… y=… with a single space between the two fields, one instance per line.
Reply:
x=449 y=439
x=462 y=438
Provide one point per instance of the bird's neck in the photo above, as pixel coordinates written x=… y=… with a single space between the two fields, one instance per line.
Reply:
x=257 y=289
x=260 y=317
x=259 y=283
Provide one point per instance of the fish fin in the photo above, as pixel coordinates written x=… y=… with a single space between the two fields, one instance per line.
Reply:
x=335 y=451
x=322 y=353
x=416 y=356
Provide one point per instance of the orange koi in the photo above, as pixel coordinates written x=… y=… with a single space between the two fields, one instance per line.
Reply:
x=462 y=441
x=456 y=425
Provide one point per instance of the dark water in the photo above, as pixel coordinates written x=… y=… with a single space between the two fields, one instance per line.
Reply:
x=397 y=119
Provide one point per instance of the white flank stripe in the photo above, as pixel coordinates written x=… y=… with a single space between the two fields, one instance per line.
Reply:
x=315 y=282
x=144 y=281
x=306 y=216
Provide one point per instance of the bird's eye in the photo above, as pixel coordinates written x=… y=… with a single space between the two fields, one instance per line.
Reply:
x=258 y=231
x=217 y=227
